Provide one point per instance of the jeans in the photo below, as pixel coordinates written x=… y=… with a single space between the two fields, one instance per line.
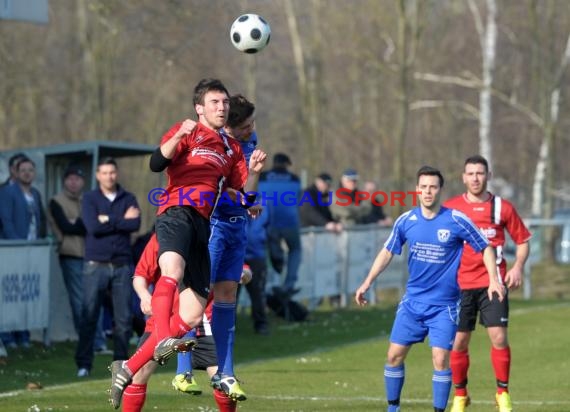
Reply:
x=72 y=271
x=292 y=238
x=98 y=278
x=256 y=291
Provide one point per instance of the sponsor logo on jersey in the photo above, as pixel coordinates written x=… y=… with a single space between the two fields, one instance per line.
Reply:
x=443 y=235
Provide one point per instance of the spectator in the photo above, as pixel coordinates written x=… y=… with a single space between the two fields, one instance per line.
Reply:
x=277 y=186
x=346 y=207
x=315 y=210
x=256 y=262
x=22 y=216
x=12 y=165
x=110 y=215
x=65 y=219
x=377 y=214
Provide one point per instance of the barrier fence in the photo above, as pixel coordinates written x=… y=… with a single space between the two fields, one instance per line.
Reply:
x=33 y=295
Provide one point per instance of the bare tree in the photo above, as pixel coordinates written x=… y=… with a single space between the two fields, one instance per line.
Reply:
x=488 y=41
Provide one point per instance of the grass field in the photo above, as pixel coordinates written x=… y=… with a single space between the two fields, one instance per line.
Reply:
x=332 y=363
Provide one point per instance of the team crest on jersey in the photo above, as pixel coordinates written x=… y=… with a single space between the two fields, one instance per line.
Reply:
x=443 y=235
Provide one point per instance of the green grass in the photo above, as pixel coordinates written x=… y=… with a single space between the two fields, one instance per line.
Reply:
x=332 y=363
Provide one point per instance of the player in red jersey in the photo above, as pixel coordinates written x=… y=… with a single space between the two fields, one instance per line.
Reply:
x=493 y=215
x=147 y=273
x=200 y=164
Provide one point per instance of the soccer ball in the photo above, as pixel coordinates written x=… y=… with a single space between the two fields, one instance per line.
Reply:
x=250 y=33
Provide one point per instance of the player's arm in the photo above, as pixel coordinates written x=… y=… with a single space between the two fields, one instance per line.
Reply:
x=514 y=276
x=162 y=156
x=256 y=164
x=140 y=285
x=490 y=259
x=381 y=262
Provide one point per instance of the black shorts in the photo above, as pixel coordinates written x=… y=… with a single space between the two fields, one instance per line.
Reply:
x=183 y=230
x=491 y=313
x=203 y=354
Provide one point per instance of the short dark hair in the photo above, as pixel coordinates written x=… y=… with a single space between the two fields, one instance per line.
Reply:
x=15 y=158
x=477 y=160
x=241 y=109
x=429 y=171
x=107 y=160
x=24 y=159
x=207 y=85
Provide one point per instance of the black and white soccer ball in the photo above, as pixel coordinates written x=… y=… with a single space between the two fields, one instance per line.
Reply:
x=250 y=33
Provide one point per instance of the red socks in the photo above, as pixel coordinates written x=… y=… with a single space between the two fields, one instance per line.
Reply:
x=134 y=397
x=501 y=360
x=224 y=403
x=144 y=354
x=459 y=363
x=161 y=303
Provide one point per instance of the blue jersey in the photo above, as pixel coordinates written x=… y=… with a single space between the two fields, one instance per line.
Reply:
x=435 y=248
x=225 y=207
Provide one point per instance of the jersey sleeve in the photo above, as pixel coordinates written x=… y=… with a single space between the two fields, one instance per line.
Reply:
x=515 y=225
x=170 y=133
x=469 y=232
x=147 y=266
x=238 y=174
x=397 y=238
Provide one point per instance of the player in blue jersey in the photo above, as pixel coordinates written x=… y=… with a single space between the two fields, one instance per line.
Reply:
x=227 y=253
x=435 y=236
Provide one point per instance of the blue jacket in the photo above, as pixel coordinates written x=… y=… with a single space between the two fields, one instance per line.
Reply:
x=280 y=192
x=111 y=241
x=16 y=216
x=257 y=237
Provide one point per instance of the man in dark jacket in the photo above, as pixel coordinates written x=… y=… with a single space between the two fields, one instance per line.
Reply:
x=314 y=209
x=110 y=214
x=278 y=186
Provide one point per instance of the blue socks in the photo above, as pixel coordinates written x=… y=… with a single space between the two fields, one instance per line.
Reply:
x=441 y=386
x=185 y=359
x=394 y=382
x=223 y=329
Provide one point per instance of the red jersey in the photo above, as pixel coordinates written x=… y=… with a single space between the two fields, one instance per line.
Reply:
x=204 y=164
x=147 y=267
x=492 y=216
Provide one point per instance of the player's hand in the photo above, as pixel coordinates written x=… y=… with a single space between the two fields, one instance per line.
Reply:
x=513 y=279
x=185 y=128
x=497 y=288
x=246 y=275
x=257 y=161
x=254 y=211
x=146 y=307
x=359 y=296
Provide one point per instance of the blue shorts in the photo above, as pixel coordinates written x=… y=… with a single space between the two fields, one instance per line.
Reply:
x=227 y=248
x=415 y=320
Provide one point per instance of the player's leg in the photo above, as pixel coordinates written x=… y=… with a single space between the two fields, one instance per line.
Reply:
x=135 y=394
x=442 y=324
x=459 y=356
x=406 y=331
x=227 y=251
x=394 y=374
x=175 y=233
x=205 y=359
x=495 y=317
x=184 y=380
x=192 y=306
